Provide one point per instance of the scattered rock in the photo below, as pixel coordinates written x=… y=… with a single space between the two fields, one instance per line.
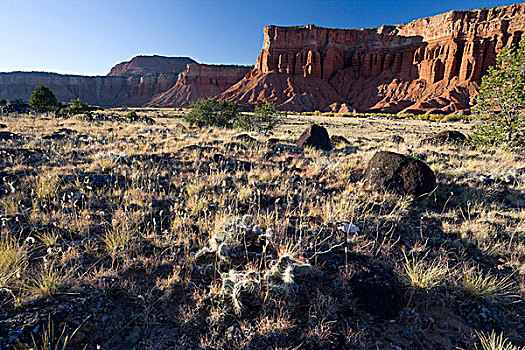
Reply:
x=54 y=136
x=245 y=138
x=396 y=139
x=234 y=146
x=21 y=108
x=446 y=137
x=8 y=136
x=67 y=131
x=337 y=140
x=315 y=136
x=273 y=140
x=401 y=174
x=11 y=155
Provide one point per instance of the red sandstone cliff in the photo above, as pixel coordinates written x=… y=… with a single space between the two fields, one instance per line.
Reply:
x=144 y=65
x=200 y=81
x=429 y=65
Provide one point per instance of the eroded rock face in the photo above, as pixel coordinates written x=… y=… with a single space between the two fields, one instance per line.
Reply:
x=200 y=81
x=389 y=171
x=432 y=64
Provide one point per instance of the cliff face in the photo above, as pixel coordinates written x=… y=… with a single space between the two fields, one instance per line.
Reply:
x=200 y=81
x=432 y=64
x=101 y=90
x=143 y=65
x=145 y=80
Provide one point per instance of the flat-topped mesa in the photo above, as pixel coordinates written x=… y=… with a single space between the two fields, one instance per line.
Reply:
x=389 y=68
x=106 y=91
x=143 y=65
x=200 y=81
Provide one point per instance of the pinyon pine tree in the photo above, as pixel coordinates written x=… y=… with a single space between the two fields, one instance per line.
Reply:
x=501 y=102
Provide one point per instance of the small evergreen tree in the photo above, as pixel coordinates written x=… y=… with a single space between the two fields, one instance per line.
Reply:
x=42 y=98
x=76 y=107
x=212 y=112
x=264 y=118
x=501 y=102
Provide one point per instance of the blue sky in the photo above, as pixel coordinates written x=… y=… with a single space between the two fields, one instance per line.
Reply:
x=90 y=36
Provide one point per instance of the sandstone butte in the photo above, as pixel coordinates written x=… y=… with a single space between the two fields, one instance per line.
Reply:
x=138 y=82
x=431 y=65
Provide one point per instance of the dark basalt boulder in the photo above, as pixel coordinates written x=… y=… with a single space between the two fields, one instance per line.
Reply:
x=245 y=138
x=337 y=140
x=8 y=136
x=446 y=137
x=405 y=175
x=315 y=136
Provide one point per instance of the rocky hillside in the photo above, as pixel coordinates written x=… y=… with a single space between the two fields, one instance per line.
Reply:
x=143 y=65
x=200 y=81
x=432 y=64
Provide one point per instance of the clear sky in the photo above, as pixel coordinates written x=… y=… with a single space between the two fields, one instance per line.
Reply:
x=90 y=36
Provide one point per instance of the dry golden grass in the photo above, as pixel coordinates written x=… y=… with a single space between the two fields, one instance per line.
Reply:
x=134 y=245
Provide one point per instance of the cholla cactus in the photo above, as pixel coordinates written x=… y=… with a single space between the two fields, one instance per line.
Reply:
x=236 y=233
x=286 y=271
x=237 y=286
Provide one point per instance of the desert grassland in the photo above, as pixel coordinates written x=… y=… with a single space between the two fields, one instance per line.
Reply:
x=167 y=236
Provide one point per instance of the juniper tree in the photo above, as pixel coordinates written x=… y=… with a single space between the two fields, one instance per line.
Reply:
x=42 y=98
x=501 y=102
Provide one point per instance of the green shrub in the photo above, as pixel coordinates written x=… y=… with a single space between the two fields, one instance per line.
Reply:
x=264 y=118
x=132 y=116
x=42 y=98
x=211 y=112
x=77 y=107
x=501 y=102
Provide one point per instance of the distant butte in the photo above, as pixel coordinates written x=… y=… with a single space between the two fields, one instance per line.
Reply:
x=143 y=65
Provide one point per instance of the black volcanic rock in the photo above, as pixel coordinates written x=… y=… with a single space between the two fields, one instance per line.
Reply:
x=315 y=136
